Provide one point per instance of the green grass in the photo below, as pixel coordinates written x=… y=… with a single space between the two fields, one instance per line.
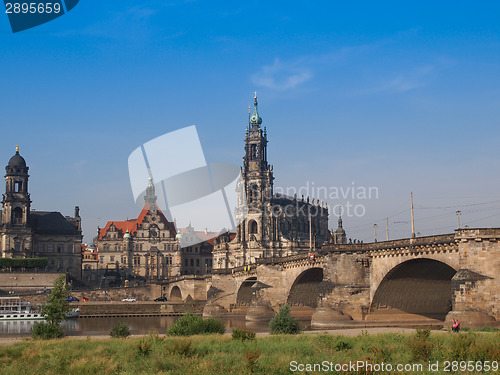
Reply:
x=215 y=354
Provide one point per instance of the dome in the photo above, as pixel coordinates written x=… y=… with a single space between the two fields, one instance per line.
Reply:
x=127 y=235
x=340 y=231
x=17 y=161
x=256 y=119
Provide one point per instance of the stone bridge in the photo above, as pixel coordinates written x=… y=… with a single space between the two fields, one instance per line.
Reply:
x=454 y=275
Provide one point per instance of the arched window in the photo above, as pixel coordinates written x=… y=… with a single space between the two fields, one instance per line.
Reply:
x=17 y=215
x=252 y=227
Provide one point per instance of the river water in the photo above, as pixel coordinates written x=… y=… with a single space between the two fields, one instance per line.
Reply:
x=137 y=325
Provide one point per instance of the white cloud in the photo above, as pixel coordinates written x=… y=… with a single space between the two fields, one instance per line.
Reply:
x=282 y=76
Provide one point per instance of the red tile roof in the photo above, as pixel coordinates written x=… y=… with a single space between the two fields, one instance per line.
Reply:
x=132 y=224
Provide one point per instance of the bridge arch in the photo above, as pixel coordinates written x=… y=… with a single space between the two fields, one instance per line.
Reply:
x=244 y=295
x=419 y=286
x=175 y=294
x=304 y=290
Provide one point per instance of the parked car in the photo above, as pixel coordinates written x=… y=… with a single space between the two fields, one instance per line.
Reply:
x=129 y=300
x=161 y=299
x=72 y=299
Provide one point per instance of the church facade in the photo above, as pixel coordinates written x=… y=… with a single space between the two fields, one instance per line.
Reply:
x=25 y=233
x=270 y=225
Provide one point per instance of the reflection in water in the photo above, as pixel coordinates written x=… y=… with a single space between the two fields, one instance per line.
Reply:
x=138 y=326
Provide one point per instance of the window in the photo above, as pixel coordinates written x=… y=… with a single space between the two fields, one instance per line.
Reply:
x=41 y=248
x=252 y=227
x=17 y=215
x=197 y=262
x=18 y=186
x=186 y=262
x=101 y=258
x=60 y=248
x=192 y=262
x=111 y=258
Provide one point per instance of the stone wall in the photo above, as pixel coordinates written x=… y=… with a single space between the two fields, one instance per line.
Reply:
x=24 y=282
x=476 y=287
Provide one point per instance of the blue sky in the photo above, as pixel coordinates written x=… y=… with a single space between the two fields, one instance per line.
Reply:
x=401 y=97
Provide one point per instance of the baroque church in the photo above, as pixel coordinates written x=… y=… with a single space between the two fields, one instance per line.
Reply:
x=26 y=233
x=270 y=225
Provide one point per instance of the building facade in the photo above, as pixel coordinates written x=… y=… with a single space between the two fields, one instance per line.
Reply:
x=271 y=225
x=196 y=251
x=147 y=247
x=26 y=233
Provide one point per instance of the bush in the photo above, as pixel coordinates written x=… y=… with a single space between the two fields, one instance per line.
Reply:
x=23 y=262
x=120 y=330
x=420 y=346
x=144 y=347
x=342 y=345
x=283 y=323
x=183 y=347
x=242 y=334
x=46 y=331
x=251 y=357
x=190 y=324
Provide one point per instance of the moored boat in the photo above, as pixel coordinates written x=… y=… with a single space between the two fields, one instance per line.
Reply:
x=11 y=308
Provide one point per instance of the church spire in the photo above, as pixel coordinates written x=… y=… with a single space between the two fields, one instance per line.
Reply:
x=255 y=120
x=150 y=196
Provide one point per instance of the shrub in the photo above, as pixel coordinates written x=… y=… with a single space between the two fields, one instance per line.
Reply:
x=251 y=357
x=46 y=331
x=284 y=323
x=242 y=334
x=342 y=345
x=23 y=262
x=420 y=346
x=144 y=347
x=120 y=330
x=183 y=347
x=190 y=324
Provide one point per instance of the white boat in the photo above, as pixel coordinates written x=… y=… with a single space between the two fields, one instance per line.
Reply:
x=11 y=308
x=73 y=313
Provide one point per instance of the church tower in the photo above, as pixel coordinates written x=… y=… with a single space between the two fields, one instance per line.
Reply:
x=16 y=200
x=258 y=179
x=17 y=233
x=150 y=197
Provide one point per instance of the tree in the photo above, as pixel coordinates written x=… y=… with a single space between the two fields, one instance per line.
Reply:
x=284 y=323
x=56 y=307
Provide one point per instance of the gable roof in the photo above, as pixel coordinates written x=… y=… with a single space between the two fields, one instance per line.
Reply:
x=132 y=224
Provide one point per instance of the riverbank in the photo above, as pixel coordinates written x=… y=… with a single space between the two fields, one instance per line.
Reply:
x=158 y=354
